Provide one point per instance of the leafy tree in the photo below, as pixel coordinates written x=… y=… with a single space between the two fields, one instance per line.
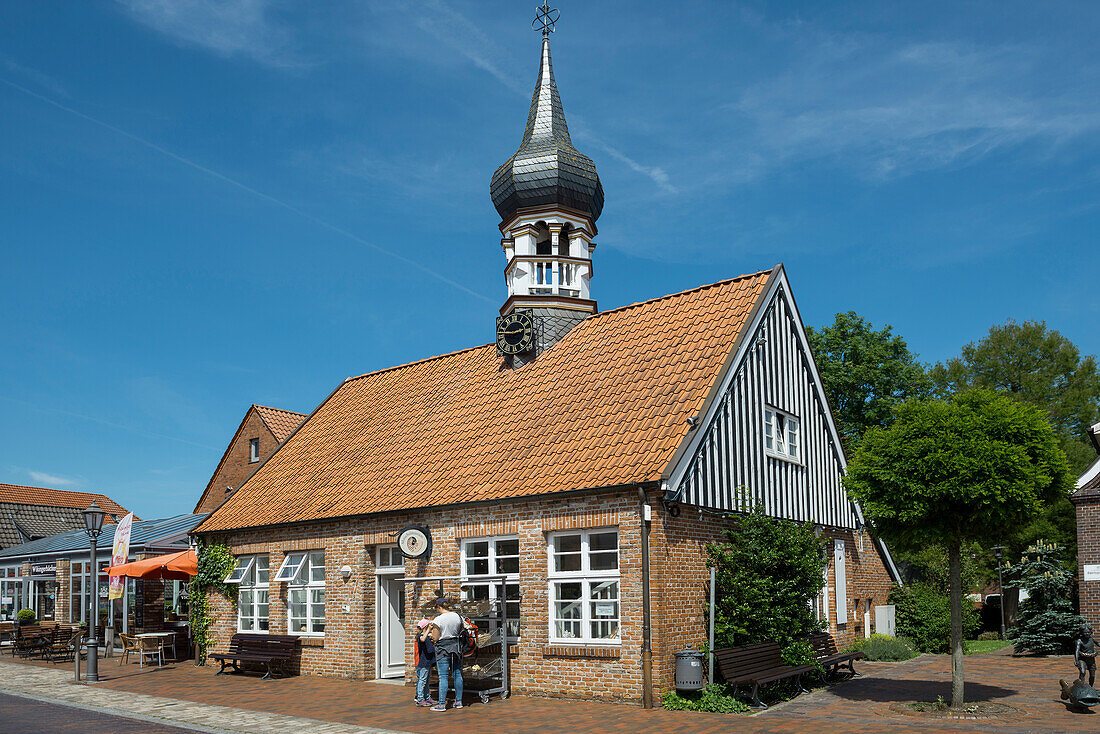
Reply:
x=953 y=472
x=767 y=575
x=1038 y=366
x=1045 y=623
x=866 y=372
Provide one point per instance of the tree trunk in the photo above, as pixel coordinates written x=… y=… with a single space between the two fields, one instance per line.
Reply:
x=955 y=561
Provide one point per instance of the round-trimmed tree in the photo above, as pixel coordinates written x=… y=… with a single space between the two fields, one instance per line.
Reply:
x=973 y=468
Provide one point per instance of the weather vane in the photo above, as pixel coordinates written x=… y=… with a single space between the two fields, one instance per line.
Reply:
x=545 y=17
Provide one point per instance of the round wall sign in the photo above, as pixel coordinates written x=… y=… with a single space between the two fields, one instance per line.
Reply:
x=414 y=541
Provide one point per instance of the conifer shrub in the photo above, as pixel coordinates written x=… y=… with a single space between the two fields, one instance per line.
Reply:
x=1045 y=622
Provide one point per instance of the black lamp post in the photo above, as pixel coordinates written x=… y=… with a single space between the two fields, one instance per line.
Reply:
x=997 y=553
x=93 y=525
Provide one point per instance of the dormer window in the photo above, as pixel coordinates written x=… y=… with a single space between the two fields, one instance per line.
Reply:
x=781 y=438
x=253 y=450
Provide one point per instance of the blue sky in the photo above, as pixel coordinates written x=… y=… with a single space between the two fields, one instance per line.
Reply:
x=205 y=205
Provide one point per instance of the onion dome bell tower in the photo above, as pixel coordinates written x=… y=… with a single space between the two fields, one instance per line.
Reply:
x=549 y=197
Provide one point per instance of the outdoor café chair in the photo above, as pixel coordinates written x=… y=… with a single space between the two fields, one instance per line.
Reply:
x=151 y=646
x=129 y=645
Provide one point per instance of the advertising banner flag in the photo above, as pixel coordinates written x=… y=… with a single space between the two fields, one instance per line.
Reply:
x=119 y=554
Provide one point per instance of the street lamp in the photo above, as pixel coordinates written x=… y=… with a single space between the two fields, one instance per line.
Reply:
x=997 y=553
x=93 y=525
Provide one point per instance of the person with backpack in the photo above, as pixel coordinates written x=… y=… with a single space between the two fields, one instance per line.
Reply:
x=425 y=659
x=448 y=652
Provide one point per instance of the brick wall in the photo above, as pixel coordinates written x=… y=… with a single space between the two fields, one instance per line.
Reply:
x=1088 y=552
x=680 y=580
x=236 y=467
x=678 y=589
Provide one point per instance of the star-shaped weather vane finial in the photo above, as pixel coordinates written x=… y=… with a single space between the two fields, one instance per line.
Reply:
x=545 y=18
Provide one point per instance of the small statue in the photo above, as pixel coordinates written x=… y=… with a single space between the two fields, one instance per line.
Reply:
x=1085 y=654
x=1080 y=693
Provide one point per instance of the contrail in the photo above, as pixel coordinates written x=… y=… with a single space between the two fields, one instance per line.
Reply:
x=244 y=187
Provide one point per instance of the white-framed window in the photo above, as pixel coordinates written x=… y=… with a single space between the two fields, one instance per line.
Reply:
x=584 y=586
x=494 y=556
x=305 y=606
x=389 y=557
x=253 y=450
x=252 y=577
x=781 y=435
x=291 y=565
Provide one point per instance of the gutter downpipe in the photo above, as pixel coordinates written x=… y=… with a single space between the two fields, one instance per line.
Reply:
x=647 y=652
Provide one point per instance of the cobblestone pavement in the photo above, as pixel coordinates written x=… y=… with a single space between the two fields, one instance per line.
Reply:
x=192 y=694
x=53 y=687
x=19 y=715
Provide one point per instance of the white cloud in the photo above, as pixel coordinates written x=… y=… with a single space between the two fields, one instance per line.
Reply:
x=52 y=480
x=226 y=27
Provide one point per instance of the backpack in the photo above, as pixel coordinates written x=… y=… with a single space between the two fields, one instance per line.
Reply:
x=467 y=638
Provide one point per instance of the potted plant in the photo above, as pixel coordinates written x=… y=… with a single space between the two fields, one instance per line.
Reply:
x=25 y=616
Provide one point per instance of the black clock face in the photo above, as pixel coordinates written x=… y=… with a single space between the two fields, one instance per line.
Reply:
x=515 y=333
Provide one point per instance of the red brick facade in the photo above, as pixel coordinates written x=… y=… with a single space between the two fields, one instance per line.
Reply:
x=1087 y=502
x=236 y=464
x=613 y=673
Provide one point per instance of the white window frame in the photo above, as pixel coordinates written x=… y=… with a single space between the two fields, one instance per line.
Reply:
x=250 y=582
x=469 y=581
x=777 y=430
x=244 y=565
x=288 y=569
x=389 y=551
x=253 y=450
x=588 y=578
x=305 y=581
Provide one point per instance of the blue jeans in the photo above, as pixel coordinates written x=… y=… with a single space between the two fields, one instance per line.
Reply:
x=445 y=669
x=423 y=691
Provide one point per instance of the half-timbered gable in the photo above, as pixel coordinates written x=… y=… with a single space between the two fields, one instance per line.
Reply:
x=767 y=436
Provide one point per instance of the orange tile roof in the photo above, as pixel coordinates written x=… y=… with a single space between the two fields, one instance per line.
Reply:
x=605 y=406
x=24 y=495
x=280 y=422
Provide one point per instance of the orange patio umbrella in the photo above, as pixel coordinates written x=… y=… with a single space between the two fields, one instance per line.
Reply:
x=180 y=566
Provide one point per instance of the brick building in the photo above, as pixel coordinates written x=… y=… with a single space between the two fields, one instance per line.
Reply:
x=260 y=432
x=576 y=467
x=1087 y=502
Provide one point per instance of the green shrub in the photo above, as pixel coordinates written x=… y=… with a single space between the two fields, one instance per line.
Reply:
x=985 y=636
x=800 y=652
x=885 y=648
x=1045 y=622
x=923 y=615
x=713 y=698
x=25 y=616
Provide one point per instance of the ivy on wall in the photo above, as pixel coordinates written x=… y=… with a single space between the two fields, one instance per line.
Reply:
x=215 y=563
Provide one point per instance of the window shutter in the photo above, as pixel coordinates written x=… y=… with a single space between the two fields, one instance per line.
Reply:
x=841 y=582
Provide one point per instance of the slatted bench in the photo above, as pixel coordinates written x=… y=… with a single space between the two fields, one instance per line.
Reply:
x=830 y=659
x=270 y=650
x=757 y=665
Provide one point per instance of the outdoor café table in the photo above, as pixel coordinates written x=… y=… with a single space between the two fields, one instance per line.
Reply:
x=169 y=640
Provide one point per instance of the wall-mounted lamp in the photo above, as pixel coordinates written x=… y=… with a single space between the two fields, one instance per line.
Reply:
x=345 y=572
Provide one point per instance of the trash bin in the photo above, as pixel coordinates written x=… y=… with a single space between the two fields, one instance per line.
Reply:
x=689 y=670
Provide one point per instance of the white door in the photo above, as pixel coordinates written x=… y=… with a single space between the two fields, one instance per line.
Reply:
x=391 y=613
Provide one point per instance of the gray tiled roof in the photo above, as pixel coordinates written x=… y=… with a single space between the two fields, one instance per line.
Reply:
x=547 y=169
x=152 y=533
x=37 y=520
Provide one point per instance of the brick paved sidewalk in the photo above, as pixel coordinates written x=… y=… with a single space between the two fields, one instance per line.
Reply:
x=1028 y=685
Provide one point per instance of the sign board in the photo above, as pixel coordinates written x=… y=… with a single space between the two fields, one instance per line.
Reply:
x=1092 y=572
x=44 y=569
x=119 y=553
x=605 y=609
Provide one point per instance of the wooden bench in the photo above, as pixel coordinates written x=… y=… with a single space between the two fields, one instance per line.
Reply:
x=757 y=665
x=271 y=650
x=31 y=639
x=830 y=659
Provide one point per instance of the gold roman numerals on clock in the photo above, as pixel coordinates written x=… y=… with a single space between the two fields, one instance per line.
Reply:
x=515 y=333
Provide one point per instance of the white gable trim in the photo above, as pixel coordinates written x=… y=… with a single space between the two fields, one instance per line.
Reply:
x=1091 y=473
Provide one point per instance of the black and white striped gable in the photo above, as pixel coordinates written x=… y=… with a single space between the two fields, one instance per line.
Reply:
x=767 y=437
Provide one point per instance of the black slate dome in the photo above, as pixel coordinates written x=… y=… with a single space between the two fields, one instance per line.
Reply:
x=547 y=169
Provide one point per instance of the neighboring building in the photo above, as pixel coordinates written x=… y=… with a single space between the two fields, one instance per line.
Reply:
x=29 y=513
x=1087 y=501
x=52 y=575
x=260 y=432
x=553 y=457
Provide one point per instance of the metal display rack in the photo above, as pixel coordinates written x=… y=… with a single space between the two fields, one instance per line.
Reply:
x=482 y=609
